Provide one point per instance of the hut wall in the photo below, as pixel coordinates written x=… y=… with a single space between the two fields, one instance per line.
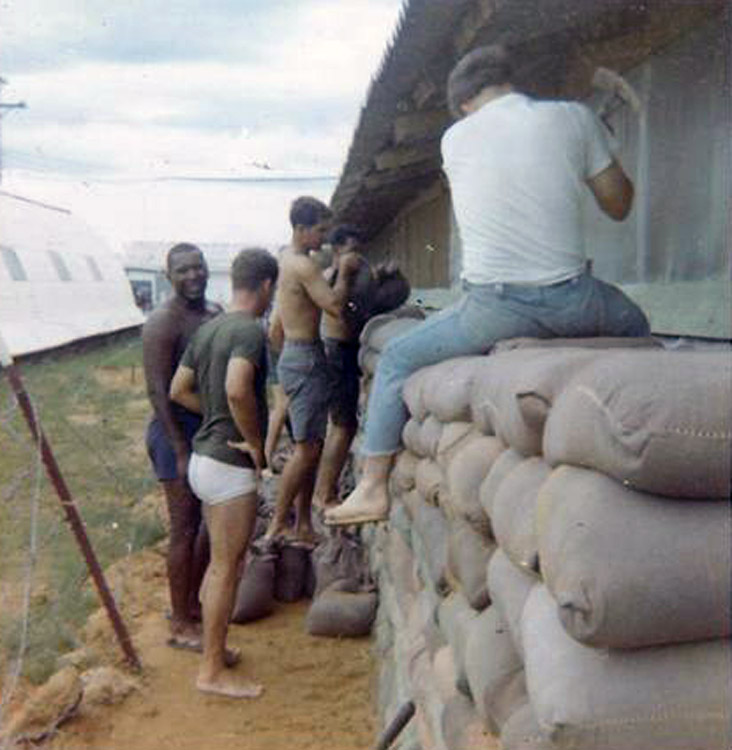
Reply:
x=418 y=240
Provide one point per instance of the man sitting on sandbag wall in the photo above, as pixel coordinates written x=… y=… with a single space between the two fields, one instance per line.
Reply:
x=517 y=169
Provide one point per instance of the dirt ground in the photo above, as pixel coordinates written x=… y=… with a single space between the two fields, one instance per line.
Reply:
x=318 y=692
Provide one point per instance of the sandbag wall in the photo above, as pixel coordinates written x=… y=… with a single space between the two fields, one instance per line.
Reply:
x=555 y=571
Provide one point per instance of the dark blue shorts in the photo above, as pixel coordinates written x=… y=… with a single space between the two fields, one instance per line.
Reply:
x=162 y=455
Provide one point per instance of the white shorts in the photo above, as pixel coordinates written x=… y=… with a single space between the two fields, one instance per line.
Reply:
x=215 y=482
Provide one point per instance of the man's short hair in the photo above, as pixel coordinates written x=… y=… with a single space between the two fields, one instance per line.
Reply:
x=307 y=212
x=340 y=235
x=181 y=247
x=490 y=65
x=251 y=267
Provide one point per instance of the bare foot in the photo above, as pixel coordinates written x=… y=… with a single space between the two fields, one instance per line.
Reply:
x=229 y=686
x=325 y=504
x=186 y=631
x=277 y=530
x=304 y=536
x=232 y=656
x=365 y=504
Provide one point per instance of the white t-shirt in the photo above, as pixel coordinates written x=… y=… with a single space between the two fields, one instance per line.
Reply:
x=517 y=168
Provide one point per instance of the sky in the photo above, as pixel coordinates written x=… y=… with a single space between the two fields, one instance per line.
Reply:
x=144 y=117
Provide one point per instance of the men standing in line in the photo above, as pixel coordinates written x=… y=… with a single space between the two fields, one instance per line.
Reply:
x=303 y=294
x=517 y=170
x=165 y=335
x=222 y=375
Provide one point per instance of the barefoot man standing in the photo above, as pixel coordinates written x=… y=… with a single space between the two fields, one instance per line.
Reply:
x=303 y=294
x=223 y=376
x=165 y=335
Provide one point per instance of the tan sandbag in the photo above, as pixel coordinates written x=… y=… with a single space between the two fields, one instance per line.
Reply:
x=430 y=481
x=513 y=512
x=672 y=697
x=430 y=530
x=518 y=389
x=254 y=597
x=412 y=438
x=403 y=475
x=291 y=570
x=454 y=434
x=341 y=614
x=494 y=669
x=509 y=588
x=381 y=329
x=430 y=435
x=453 y=617
x=521 y=731
x=340 y=556
x=500 y=469
x=659 y=421
x=467 y=558
x=412 y=394
x=465 y=472
x=595 y=342
x=462 y=728
x=630 y=569
x=447 y=387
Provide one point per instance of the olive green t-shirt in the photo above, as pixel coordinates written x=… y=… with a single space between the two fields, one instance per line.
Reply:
x=234 y=334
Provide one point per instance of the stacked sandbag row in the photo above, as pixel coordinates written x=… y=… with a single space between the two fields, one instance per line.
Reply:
x=584 y=493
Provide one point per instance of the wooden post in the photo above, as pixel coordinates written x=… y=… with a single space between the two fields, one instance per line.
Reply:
x=69 y=506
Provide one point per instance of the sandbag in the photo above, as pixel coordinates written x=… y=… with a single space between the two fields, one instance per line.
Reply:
x=447 y=386
x=594 y=342
x=659 y=421
x=494 y=670
x=291 y=570
x=403 y=475
x=467 y=557
x=341 y=614
x=513 y=512
x=461 y=727
x=521 y=731
x=429 y=481
x=254 y=598
x=630 y=569
x=429 y=533
x=671 y=697
x=518 y=390
x=509 y=588
x=340 y=556
x=412 y=394
x=454 y=434
x=381 y=329
x=500 y=469
x=430 y=435
x=412 y=438
x=466 y=470
x=454 y=615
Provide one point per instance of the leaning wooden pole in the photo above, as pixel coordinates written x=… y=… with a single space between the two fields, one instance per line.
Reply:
x=68 y=505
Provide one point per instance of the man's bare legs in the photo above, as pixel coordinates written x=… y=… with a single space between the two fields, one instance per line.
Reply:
x=230 y=526
x=298 y=478
x=277 y=417
x=369 y=501
x=335 y=452
x=186 y=561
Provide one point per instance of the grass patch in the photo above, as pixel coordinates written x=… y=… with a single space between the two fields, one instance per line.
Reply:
x=91 y=404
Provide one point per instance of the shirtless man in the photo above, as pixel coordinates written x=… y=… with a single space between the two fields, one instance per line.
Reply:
x=341 y=350
x=222 y=375
x=165 y=335
x=303 y=294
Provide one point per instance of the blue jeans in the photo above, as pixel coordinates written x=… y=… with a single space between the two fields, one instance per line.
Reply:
x=583 y=306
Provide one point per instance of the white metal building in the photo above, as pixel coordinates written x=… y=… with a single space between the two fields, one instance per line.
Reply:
x=59 y=281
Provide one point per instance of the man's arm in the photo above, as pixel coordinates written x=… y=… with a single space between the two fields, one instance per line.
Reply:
x=275 y=331
x=158 y=353
x=613 y=191
x=183 y=389
x=330 y=299
x=242 y=398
